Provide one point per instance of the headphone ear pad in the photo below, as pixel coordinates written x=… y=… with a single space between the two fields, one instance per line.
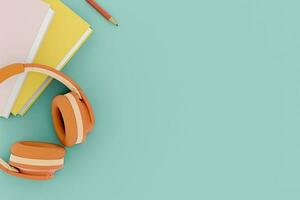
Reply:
x=38 y=159
x=70 y=119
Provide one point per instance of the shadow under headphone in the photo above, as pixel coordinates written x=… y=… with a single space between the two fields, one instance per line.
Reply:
x=73 y=118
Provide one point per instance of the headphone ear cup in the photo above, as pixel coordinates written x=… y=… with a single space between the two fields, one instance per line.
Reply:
x=70 y=119
x=38 y=159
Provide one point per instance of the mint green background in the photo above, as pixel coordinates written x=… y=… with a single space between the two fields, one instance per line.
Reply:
x=194 y=100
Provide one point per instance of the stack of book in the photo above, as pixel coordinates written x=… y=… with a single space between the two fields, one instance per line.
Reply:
x=35 y=31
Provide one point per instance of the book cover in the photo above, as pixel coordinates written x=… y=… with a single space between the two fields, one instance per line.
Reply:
x=23 y=27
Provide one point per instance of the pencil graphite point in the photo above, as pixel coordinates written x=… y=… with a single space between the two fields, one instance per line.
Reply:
x=113 y=21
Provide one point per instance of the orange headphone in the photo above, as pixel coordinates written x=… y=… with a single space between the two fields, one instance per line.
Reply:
x=73 y=118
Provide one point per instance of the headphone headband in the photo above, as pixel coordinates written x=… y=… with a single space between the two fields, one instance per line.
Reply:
x=14 y=69
x=18 y=68
x=56 y=75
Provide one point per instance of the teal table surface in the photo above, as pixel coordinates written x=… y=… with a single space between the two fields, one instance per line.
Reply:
x=193 y=100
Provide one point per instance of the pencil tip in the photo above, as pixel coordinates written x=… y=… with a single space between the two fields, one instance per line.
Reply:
x=112 y=20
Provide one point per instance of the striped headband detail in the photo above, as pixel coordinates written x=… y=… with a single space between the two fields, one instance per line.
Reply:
x=56 y=76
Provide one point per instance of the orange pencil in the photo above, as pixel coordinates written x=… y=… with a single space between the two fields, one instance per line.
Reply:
x=103 y=12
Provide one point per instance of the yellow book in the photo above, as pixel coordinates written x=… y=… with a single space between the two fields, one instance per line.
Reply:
x=65 y=35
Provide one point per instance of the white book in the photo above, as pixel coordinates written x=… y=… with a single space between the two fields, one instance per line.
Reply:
x=23 y=25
